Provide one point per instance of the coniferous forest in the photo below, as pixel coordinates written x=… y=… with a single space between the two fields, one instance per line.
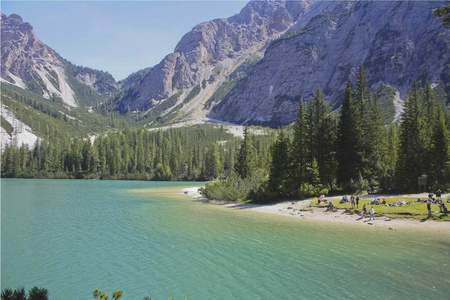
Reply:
x=346 y=150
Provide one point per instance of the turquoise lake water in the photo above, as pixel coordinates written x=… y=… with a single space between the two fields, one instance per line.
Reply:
x=72 y=236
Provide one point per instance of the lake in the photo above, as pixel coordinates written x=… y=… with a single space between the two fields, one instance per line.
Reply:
x=72 y=236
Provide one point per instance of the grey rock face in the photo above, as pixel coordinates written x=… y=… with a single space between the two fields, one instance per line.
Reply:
x=30 y=64
x=210 y=43
x=397 y=42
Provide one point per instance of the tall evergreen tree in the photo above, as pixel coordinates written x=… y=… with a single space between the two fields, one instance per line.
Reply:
x=348 y=154
x=213 y=164
x=372 y=141
x=246 y=160
x=361 y=90
x=278 y=175
x=299 y=149
x=428 y=106
x=409 y=160
x=439 y=153
x=321 y=137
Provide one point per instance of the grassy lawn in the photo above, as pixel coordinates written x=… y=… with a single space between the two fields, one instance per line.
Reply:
x=415 y=210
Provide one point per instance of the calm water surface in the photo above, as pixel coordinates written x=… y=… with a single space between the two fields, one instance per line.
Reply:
x=73 y=236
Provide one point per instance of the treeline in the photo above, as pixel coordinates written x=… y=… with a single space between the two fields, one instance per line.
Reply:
x=194 y=153
x=347 y=152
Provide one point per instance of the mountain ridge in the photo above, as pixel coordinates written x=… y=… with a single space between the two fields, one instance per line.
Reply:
x=397 y=42
x=222 y=41
x=30 y=64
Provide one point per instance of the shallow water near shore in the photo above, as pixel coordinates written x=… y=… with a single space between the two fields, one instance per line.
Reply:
x=72 y=236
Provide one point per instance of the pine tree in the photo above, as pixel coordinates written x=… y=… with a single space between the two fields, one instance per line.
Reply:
x=213 y=164
x=439 y=152
x=278 y=175
x=361 y=90
x=321 y=137
x=428 y=106
x=409 y=161
x=299 y=149
x=372 y=141
x=245 y=161
x=348 y=155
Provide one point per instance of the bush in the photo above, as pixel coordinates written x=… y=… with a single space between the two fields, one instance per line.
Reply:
x=308 y=190
x=359 y=185
x=236 y=189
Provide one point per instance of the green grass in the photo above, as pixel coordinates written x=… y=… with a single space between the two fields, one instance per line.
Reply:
x=415 y=210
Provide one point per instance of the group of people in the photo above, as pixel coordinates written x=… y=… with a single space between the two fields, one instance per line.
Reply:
x=371 y=212
x=354 y=200
x=437 y=200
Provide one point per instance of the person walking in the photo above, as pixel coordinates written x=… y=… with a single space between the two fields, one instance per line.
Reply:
x=357 y=201
x=429 y=208
x=364 y=211
x=372 y=213
x=352 y=200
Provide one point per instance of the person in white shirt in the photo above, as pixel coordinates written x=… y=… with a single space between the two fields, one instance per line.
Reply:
x=372 y=213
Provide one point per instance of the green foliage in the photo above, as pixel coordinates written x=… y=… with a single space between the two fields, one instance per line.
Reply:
x=20 y=294
x=409 y=159
x=443 y=13
x=38 y=112
x=213 y=164
x=195 y=91
x=321 y=137
x=222 y=91
x=246 y=160
x=349 y=129
x=155 y=112
x=86 y=95
x=278 y=175
x=192 y=153
x=236 y=189
x=134 y=78
x=217 y=70
x=7 y=126
x=241 y=72
x=386 y=95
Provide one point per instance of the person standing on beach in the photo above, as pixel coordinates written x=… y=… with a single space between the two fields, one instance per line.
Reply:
x=364 y=211
x=429 y=208
x=352 y=200
x=357 y=201
x=372 y=213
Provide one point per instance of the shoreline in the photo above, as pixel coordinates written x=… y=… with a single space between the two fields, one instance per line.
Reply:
x=301 y=209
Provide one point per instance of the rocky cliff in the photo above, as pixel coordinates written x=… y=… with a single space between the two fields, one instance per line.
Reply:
x=30 y=64
x=212 y=49
x=397 y=42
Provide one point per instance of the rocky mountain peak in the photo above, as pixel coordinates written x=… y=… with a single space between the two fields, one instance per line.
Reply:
x=30 y=64
x=397 y=42
x=224 y=42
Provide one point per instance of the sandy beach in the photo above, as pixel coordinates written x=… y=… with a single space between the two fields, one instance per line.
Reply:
x=302 y=209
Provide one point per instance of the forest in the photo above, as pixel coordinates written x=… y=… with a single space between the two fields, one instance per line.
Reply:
x=323 y=151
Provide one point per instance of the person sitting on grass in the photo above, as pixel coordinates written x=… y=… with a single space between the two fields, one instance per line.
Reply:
x=330 y=205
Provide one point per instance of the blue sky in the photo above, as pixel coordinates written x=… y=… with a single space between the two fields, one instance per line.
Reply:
x=120 y=37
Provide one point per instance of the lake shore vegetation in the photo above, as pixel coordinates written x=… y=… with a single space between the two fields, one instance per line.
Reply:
x=344 y=151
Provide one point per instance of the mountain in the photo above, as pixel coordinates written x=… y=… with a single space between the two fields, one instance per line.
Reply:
x=254 y=66
x=133 y=78
x=211 y=51
x=30 y=64
x=397 y=42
